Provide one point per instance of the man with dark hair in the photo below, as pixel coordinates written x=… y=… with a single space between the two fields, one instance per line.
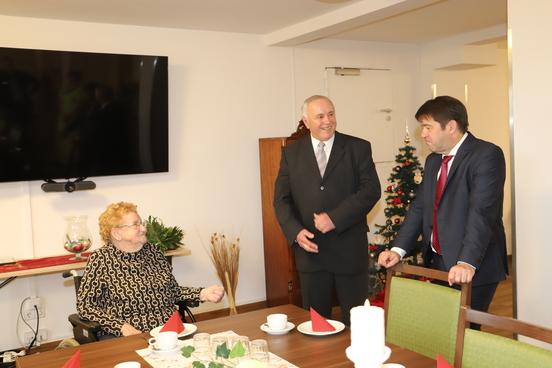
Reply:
x=458 y=206
x=326 y=186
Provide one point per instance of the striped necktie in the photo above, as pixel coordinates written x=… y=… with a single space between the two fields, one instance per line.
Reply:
x=321 y=158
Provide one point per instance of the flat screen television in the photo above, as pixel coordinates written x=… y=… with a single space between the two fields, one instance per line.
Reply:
x=79 y=114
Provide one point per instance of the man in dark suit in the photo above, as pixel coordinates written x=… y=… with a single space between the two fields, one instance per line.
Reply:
x=326 y=186
x=462 y=231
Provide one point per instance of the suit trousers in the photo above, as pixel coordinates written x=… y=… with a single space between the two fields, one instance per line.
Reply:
x=317 y=291
x=481 y=295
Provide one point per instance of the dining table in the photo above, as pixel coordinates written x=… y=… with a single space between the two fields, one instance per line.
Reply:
x=300 y=349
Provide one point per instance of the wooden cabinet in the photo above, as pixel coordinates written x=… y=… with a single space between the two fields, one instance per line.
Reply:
x=282 y=281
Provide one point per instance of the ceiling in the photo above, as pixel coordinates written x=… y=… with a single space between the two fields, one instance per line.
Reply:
x=421 y=21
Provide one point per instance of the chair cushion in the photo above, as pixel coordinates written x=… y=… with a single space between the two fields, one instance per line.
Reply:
x=423 y=317
x=485 y=350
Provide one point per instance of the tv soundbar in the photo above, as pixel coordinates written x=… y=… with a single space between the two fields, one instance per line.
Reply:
x=68 y=186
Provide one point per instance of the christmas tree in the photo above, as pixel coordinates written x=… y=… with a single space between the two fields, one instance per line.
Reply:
x=400 y=192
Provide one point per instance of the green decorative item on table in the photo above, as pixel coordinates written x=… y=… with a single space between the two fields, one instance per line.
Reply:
x=163 y=237
x=222 y=351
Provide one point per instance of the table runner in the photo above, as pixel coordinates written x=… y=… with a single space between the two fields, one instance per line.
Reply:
x=27 y=264
x=179 y=361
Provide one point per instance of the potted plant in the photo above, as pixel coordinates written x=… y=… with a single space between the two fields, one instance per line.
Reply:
x=163 y=237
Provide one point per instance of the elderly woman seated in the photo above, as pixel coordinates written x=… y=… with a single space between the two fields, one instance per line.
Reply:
x=128 y=286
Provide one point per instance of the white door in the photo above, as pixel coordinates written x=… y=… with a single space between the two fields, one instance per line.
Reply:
x=364 y=108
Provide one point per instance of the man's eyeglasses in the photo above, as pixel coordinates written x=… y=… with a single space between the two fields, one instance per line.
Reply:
x=135 y=225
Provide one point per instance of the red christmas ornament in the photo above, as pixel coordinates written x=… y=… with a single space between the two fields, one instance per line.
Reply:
x=397 y=200
x=389 y=188
x=399 y=192
x=397 y=221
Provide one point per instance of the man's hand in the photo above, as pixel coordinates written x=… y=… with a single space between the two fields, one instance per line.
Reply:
x=460 y=274
x=323 y=222
x=212 y=294
x=129 y=330
x=304 y=242
x=388 y=258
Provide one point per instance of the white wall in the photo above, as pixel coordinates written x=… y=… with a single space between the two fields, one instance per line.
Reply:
x=531 y=81
x=487 y=105
x=226 y=91
x=450 y=64
x=311 y=60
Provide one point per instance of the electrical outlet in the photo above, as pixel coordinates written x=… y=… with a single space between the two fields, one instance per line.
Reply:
x=42 y=336
x=29 y=311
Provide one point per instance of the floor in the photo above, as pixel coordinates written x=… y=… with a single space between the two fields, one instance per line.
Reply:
x=502 y=304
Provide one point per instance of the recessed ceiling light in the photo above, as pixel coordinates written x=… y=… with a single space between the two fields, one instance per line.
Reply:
x=332 y=1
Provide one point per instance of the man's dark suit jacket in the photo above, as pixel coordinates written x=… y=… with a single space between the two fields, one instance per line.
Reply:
x=469 y=214
x=348 y=190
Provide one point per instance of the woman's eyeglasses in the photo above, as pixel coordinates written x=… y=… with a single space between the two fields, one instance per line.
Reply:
x=135 y=225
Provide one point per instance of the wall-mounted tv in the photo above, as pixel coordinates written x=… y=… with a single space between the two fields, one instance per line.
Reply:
x=79 y=114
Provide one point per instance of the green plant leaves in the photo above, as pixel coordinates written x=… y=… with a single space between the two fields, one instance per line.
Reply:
x=163 y=237
x=238 y=350
x=223 y=351
x=187 y=351
x=198 y=364
x=216 y=365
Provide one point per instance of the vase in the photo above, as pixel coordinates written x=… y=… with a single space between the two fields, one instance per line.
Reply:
x=77 y=237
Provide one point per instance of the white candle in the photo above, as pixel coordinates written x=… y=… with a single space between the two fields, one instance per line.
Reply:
x=367 y=332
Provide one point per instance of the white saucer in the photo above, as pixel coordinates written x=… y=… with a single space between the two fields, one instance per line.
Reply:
x=172 y=351
x=306 y=328
x=188 y=330
x=290 y=326
x=359 y=362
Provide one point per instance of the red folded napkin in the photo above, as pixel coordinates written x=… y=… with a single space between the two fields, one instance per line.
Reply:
x=319 y=323
x=74 y=361
x=173 y=324
x=442 y=362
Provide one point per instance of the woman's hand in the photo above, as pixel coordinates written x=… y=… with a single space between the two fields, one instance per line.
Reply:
x=212 y=294
x=129 y=330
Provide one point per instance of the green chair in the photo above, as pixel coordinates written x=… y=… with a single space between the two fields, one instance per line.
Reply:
x=423 y=316
x=478 y=349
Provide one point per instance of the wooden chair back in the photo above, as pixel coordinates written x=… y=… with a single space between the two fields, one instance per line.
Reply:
x=484 y=349
x=423 y=316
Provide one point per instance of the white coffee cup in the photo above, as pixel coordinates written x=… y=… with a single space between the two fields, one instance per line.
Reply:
x=164 y=340
x=277 y=321
x=128 y=365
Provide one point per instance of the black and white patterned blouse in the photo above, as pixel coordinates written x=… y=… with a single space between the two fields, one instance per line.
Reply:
x=137 y=288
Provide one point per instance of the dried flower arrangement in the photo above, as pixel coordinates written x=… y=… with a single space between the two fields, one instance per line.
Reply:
x=225 y=256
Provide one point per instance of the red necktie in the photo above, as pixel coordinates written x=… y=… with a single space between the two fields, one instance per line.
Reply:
x=438 y=192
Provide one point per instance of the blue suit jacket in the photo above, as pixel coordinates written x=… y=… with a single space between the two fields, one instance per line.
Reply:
x=469 y=214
